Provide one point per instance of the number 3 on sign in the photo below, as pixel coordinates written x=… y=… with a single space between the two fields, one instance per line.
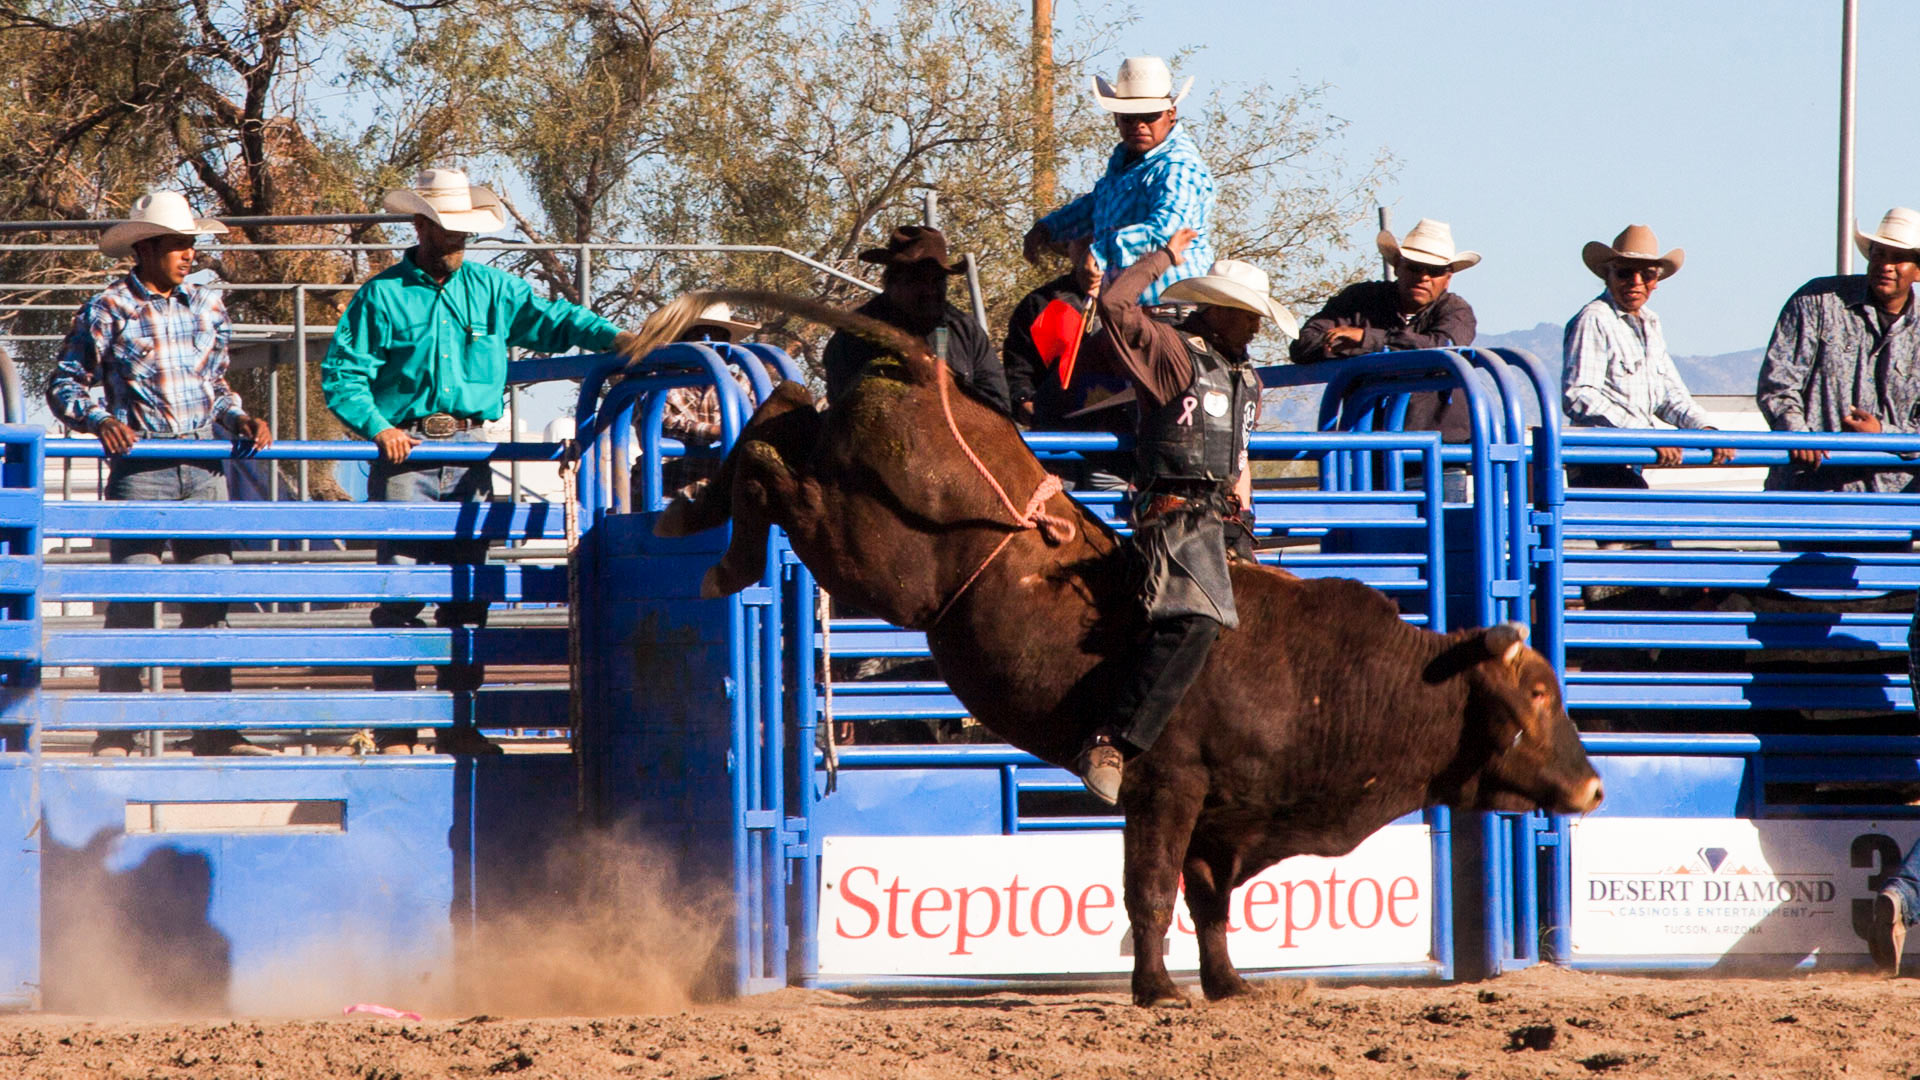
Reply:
x=1880 y=852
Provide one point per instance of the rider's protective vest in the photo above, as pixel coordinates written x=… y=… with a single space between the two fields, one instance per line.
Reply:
x=1199 y=435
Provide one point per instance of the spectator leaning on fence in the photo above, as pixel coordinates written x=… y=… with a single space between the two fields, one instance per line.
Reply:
x=1413 y=311
x=1155 y=184
x=1617 y=370
x=420 y=355
x=157 y=346
x=1034 y=380
x=1845 y=356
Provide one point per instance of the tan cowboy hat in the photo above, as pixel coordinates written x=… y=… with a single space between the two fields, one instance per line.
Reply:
x=455 y=205
x=1635 y=242
x=1144 y=85
x=1429 y=243
x=157 y=213
x=1235 y=284
x=1899 y=229
x=720 y=317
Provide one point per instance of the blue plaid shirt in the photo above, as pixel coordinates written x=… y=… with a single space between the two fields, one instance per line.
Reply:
x=1138 y=206
x=161 y=358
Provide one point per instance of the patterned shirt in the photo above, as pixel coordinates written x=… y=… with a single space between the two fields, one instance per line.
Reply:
x=1829 y=354
x=692 y=413
x=1137 y=207
x=162 y=359
x=1618 y=372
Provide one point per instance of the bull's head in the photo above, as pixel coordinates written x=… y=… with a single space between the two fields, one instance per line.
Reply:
x=1513 y=701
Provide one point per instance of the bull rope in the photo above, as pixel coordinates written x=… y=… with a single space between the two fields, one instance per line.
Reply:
x=1056 y=530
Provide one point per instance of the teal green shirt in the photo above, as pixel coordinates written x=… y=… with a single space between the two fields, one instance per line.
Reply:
x=409 y=347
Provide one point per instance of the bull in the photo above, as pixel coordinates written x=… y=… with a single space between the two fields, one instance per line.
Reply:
x=1322 y=718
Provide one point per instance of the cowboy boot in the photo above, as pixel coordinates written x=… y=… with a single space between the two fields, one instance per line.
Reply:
x=1888 y=934
x=1099 y=766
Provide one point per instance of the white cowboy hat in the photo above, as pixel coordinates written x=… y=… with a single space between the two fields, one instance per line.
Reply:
x=1635 y=242
x=1899 y=229
x=721 y=316
x=1235 y=284
x=1144 y=85
x=157 y=213
x=455 y=205
x=1430 y=243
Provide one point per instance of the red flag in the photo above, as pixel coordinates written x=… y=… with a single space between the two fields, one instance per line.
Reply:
x=1057 y=333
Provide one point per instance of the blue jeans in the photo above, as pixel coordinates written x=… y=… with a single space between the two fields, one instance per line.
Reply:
x=432 y=483
x=160 y=481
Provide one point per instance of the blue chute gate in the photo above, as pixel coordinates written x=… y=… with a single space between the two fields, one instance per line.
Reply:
x=682 y=726
x=1743 y=655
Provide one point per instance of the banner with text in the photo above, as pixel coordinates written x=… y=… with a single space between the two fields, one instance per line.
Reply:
x=1042 y=904
x=1717 y=886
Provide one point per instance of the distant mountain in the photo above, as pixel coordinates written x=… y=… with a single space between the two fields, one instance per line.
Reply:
x=1731 y=374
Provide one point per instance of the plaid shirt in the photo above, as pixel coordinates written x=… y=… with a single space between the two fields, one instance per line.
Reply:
x=692 y=413
x=161 y=358
x=1618 y=372
x=1138 y=206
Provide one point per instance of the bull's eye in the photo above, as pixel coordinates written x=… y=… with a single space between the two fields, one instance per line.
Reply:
x=1539 y=697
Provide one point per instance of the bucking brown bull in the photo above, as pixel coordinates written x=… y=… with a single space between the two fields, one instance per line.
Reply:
x=1322 y=718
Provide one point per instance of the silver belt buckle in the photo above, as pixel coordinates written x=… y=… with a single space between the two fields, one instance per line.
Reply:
x=439 y=425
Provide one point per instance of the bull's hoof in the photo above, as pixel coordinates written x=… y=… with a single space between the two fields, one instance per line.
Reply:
x=1161 y=995
x=1224 y=987
x=677 y=519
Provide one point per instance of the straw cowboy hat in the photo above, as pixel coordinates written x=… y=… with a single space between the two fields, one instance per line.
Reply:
x=1429 y=243
x=914 y=245
x=720 y=317
x=157 y=213
x=455 y=205
x=1144 y=85
x=1635 y=242
x=1899 y=229
x=1235 y=284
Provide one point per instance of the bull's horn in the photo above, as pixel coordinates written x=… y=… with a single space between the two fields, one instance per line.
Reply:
x=1506 y=640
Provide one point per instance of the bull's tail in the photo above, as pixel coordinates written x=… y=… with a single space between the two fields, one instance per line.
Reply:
x=667 y=324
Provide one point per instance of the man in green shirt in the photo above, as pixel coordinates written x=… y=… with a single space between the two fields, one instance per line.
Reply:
x=420 y=355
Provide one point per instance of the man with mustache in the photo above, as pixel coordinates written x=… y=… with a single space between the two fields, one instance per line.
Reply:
x=1617 y=370
x=1845 y=356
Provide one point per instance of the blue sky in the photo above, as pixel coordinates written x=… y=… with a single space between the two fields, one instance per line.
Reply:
x=1535 y=127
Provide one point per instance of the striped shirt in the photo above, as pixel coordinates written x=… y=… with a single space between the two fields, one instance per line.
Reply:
x=161 y=358
x=1618 y=373
x=1137 y=207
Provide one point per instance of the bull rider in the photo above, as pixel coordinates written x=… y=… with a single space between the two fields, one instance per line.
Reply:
x=1197 y=398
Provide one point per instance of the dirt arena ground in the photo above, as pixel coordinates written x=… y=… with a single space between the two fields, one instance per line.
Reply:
x=1541 y=1023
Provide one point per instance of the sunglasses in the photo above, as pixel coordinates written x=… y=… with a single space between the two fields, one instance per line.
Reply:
x=1409 y=268
x=1130 y=119
x=1635 y=273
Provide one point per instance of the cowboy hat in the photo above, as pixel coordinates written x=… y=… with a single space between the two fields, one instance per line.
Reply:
x=1429 y=243
x=1235 y=284
x=1144 y=85
x=913 y=245
x=1899 y=229
x=157 y=213
x=455 y=205
x=1635 y=242
x=720 y=317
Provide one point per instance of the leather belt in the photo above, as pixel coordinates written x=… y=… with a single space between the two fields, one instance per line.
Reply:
x=440 y=425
